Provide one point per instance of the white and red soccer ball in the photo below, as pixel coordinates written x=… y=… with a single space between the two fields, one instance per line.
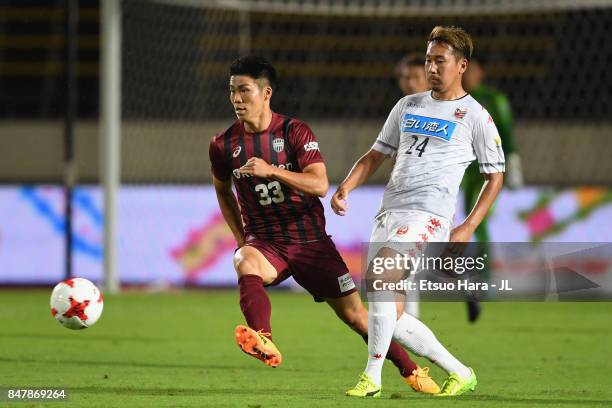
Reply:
x=76 y=303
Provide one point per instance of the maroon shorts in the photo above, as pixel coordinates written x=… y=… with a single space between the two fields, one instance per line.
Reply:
x=316 y=266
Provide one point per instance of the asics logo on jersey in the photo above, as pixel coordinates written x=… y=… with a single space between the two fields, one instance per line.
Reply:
x=237 y=151
x=426 y=126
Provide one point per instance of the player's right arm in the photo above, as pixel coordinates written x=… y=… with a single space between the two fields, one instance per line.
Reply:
x=222 y=180
x=229 y=208
x=359 y=174
x=487 y=146
x=386 y=145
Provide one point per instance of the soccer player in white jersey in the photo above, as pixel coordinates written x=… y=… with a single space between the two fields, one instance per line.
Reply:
x=411 y=79
x=433 y=135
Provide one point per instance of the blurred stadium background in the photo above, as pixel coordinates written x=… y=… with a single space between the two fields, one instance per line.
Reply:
x=335 y=60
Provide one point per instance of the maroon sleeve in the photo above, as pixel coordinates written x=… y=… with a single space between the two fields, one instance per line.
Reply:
x=305 y=145
x=218 y=163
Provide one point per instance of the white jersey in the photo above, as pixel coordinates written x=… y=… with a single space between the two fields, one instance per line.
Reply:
x=433 y=142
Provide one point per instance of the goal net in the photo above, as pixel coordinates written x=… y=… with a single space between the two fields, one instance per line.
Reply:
x=336 y=64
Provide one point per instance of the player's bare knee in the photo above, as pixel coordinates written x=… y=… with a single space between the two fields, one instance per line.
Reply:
x=245 y=263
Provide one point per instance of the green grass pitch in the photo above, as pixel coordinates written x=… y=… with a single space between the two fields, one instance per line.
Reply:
x=177 y=349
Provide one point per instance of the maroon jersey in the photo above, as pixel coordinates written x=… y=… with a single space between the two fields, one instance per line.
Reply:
x=270 y=209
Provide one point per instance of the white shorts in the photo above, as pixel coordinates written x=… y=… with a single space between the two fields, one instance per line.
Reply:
x=407 y=232
x=410 y=226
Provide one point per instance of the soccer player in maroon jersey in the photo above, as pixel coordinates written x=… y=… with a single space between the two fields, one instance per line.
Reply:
x=277 y=219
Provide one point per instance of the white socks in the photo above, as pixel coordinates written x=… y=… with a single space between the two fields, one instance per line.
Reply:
x=411 y=304
x=408 y=331
x=381 y=323
x=411 y=333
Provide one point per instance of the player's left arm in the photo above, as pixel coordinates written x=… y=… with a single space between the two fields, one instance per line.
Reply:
x=487 y=146
x=490 y=189
x=312 y=180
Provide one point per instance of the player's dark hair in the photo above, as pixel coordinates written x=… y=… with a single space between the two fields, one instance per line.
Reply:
x=255 y=67
x=456 y=37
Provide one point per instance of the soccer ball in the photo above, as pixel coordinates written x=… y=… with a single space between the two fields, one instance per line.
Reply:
x=76 y=303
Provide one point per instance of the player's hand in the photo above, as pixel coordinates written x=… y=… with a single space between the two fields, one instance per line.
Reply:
x=461 y=233
x=460 y=236
x=257 y=167
x=339 y=201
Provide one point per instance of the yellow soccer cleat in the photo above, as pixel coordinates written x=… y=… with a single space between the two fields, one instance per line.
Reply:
x=365 y=388
x=455 y=385
x=420 y=381
x=258 y=345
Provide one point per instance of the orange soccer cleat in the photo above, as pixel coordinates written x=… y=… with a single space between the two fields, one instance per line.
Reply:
x=258 y=345
x=420 y=381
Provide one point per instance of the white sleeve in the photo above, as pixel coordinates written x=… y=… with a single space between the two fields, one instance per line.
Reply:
x=387 y=141
x=487 y=145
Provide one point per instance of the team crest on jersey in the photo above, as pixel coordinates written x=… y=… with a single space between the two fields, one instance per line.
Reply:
x=237 y=151
x=278 y=144
x=460 y=113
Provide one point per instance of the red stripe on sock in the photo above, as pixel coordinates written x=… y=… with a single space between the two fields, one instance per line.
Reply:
x=399 y=357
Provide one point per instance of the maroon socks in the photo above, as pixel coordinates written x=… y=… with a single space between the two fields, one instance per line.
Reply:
x=256 y=308
x=254 y=303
